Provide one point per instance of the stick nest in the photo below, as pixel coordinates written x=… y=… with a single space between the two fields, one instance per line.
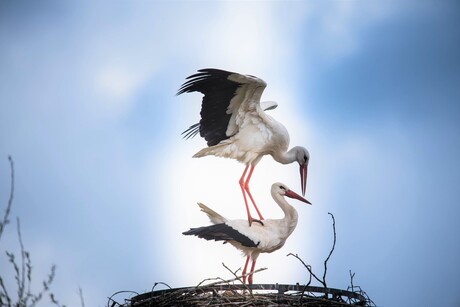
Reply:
x=254 y=295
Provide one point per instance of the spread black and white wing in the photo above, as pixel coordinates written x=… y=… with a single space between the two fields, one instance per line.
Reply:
x=228 y=97
x=221 y=232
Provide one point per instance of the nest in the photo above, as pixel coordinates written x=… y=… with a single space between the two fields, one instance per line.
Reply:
x=253 y=295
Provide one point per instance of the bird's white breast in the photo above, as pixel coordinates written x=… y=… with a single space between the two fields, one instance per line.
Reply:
x=268 y=238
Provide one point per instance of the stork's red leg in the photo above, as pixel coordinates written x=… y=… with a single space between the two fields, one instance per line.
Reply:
x=245 y=269
x=246 y=187
x=252 y=271
x=242 y=185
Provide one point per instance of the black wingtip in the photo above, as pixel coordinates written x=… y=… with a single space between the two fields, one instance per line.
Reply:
x=221 y=232
x=196 y=82
x=218 y=91
x=191 y=132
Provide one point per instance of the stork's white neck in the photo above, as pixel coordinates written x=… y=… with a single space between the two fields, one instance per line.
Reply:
x=285 y=157
x=290 y=213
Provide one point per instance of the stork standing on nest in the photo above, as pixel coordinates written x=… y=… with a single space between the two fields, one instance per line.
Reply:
x=257 y=239
x=234 y=124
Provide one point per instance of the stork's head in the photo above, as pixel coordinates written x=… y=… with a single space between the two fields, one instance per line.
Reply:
x=302 y=157
x=282 y=189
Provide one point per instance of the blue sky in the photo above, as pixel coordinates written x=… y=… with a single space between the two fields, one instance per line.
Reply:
x=105 y=185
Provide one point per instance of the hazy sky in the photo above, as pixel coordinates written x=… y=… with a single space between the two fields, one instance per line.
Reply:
x=105 y=185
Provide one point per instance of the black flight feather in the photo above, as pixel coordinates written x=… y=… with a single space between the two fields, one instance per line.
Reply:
x=218 y=91
x=220 y=232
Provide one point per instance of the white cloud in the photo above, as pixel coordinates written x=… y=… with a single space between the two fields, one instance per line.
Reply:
x=333 y=31
x=116 y=87
x=115 y=83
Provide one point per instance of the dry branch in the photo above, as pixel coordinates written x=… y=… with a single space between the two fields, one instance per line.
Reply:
x=112 y=303
x=82 y=301
x=5 y=220
x=332 y=250
x=160 y=283
x=357 y=289
x=22 y=267
x=308 y=267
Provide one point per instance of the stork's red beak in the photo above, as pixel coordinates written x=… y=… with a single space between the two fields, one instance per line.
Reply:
x=292 y=194
x=303 y=177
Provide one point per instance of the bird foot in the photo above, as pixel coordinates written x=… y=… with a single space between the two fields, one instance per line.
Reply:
x=255 y=220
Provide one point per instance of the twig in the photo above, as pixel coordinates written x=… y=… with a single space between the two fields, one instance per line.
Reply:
x=332 y=249
x=23 y=271
x=4 y=294
x=55 y=301
x=239 y=277
x=82 y=301
x=351 y=281
x=12 y=260
x=46 y=286
x=234 y=273
x=161 y=283
x=3 y=291
x=10 y=200
x=110 y=299
x=308 y=267
x=208 y=279
x=230 y=280
x=359 y=290
x=243 y=275
x=21 y=279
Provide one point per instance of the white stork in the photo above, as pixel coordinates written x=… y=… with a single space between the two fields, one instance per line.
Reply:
x=234 y=124
x=256 y=239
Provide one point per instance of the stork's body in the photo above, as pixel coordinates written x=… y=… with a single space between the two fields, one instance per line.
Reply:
x=255 y=239
x=235 y=125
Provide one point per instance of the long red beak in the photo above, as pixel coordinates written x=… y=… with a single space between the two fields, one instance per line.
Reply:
x=292 y=194
x=303 y=178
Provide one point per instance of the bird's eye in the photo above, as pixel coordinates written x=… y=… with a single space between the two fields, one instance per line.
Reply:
x=282 y=188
